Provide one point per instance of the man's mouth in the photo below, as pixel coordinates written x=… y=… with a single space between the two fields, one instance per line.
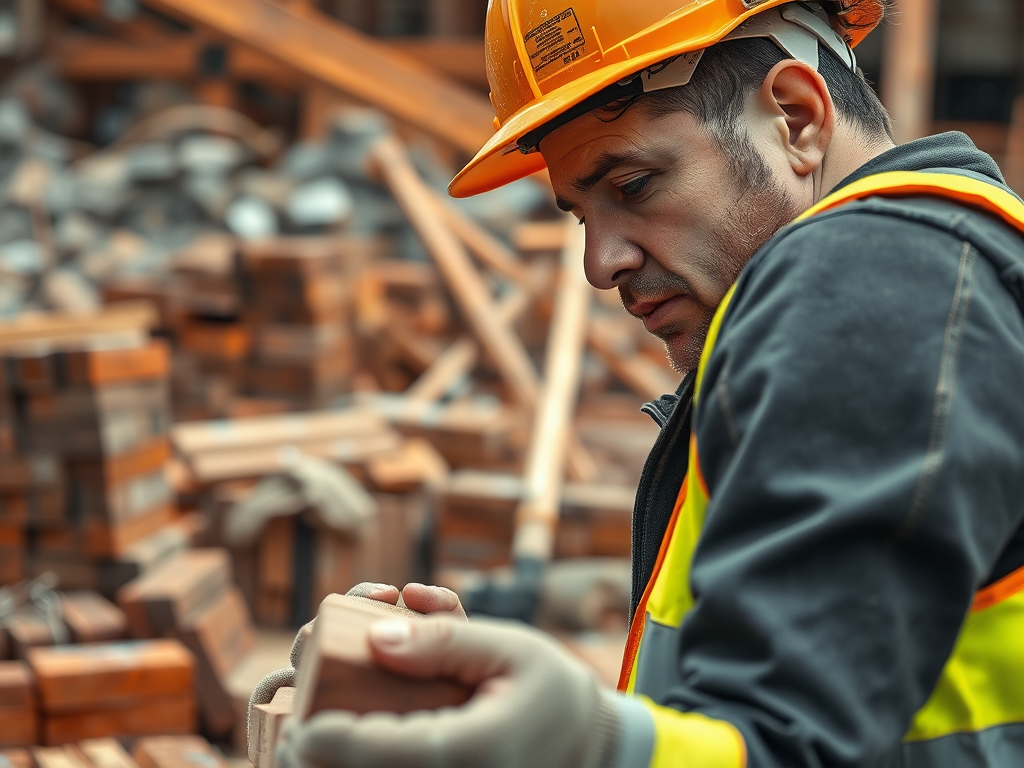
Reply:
x=657 y=313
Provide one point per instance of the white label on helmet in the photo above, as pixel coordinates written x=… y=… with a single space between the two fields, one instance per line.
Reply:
x=556 y=43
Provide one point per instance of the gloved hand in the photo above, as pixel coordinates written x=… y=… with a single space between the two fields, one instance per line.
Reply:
x=415 y=597
x=534 y=706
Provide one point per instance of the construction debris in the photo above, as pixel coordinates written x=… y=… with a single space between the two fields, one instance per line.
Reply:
x=246 y=364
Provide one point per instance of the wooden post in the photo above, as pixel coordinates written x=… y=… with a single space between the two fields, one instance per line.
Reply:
x=1015 y=148
x=908 y=84
x=537 y=515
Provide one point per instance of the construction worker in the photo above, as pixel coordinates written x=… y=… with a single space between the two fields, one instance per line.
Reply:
x=828 y=543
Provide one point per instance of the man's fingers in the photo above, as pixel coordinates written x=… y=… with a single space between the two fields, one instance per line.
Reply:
x=382 y=593
x=439 y=647
x=432 y=600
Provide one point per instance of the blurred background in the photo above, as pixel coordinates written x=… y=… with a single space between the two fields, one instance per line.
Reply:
x=251 y=354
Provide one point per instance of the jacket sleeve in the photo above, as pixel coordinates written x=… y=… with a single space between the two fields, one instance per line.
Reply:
x=860 y=430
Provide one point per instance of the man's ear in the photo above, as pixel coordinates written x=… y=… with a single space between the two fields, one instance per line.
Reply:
x=802 y=112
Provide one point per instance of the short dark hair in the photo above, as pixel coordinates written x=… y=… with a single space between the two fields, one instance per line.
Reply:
x=728 y=73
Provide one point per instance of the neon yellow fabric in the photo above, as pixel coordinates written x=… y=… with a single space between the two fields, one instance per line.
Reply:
x=982 y=684
x=691 y=740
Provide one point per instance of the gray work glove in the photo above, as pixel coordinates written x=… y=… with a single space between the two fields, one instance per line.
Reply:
x=415 y=597
x=534 y=706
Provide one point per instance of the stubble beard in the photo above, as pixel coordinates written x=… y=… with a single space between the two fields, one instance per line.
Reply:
x=761 y=210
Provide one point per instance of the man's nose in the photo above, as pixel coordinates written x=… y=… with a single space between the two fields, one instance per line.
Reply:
x=610 y=259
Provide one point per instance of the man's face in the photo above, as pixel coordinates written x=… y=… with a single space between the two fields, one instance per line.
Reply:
x=670 y=223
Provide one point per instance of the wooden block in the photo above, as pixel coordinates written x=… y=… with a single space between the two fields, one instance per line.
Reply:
x=106 y=753
x=170 y=714
x=106 y=473
x=219 y=637
x=337 y=671
x=111 y=539
x=267 y=723
x=19 y=725
x=277 y=555
x=12 y=535
x=25 y=472
x=174 y=592
x=416 y=464
x=16 y=758
x=26 y=630
x=108 y=421
x=14 y=508
x=141 y=556
x=18 y=728
x=125 y=501
x=222 y=341
x=119 y=365
x=16 y=691
x=73 y=570
x=177 y=752
x=91 y=618
x=72 y=678
x=59 y=757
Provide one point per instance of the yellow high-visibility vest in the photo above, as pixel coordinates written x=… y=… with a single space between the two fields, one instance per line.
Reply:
x=982 y=683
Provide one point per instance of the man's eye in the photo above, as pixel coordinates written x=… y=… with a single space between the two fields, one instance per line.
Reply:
x=635 y=187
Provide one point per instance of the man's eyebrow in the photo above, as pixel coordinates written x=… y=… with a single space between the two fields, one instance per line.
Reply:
x=606 y=163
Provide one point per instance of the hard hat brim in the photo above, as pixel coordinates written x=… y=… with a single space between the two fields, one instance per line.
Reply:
x=500 y=162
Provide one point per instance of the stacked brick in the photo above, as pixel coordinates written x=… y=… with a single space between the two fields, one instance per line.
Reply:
x=191 y=599
x=83 y=486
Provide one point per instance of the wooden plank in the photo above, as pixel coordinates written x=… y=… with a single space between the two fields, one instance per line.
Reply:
x=461 y=59
x=267 y=722
x=171 y=714
x=632 y=368
x=414 y=465
x=19 y=723
x=59 y=757
x=295 y=429
x=106 y=753
x=328 y=52
x=177 y=752
x=337 y=671
x=467 y=286
x=218 y=637
x=16 y=686
x=490 y=251
x=55 y=330
x=74 y=678
x=16 y=758
x=537 y=515
x=174 y=592
x=91 y=618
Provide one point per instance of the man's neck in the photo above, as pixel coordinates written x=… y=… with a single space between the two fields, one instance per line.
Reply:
x=848 y=151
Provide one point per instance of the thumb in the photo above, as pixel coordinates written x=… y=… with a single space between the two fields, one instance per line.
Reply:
x=431 y=648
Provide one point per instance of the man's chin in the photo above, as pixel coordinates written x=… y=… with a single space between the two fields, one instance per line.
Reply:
x=684 y=348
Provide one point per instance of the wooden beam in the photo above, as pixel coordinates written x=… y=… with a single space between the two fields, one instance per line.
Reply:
x=537 y=514
x=169 y=57
x=486 y=247
x=461 y=59
x=326 y=51
x=461 y=357
x=467 y=286
x=908 y=82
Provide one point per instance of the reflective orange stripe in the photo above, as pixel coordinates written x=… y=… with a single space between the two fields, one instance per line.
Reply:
x=1002 y=590
x=636 y=629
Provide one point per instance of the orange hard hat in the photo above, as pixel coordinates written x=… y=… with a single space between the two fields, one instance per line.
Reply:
x=546 y=58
